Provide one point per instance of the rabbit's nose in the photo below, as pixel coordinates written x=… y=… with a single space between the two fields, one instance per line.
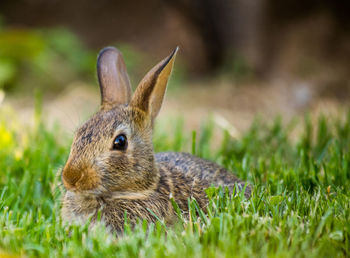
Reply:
x=71 y=175
x=80 y=178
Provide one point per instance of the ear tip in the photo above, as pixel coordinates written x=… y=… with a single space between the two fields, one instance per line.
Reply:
x=109 y=48
x=175 y=51
x=171 y=56
x=106 y=50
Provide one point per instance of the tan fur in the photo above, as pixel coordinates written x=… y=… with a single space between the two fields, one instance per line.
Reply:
x=150 y=92
x=134 y=181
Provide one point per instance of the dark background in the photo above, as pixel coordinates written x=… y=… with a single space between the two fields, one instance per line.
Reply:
x=210 y=32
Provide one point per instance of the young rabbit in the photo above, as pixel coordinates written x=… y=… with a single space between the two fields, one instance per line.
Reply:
x=112 y=167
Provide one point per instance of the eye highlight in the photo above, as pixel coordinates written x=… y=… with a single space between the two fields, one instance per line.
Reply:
x=120 y=142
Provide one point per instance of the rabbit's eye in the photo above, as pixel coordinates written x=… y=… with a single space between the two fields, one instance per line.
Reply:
x=120 y=142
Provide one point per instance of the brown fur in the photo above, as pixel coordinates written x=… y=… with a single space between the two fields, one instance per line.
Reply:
x=134 y=181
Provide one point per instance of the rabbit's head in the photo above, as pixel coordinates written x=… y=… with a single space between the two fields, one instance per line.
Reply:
x=113 y=150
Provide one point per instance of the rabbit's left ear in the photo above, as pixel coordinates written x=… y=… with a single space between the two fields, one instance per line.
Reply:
x=113 y=78
x=150 y=92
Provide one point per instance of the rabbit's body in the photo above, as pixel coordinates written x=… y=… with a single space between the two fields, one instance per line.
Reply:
x=200 y=170
x=112 y=169
x=181 y=177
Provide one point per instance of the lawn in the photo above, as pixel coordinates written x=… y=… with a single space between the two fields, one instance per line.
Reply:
x=299 y=206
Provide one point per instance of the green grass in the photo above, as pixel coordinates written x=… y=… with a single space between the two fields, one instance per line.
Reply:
x=299 y=207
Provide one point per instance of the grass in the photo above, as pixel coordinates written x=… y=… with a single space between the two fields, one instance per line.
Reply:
x=299 y=207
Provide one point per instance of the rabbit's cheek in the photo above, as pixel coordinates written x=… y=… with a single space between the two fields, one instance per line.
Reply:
x=111 y=168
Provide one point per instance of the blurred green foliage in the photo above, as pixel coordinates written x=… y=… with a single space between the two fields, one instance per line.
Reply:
x=46 y=59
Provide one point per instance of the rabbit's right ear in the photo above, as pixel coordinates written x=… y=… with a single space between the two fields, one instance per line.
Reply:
x=149 y=94
x=113 y=78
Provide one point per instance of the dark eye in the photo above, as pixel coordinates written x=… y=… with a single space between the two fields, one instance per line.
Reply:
x=120 y=142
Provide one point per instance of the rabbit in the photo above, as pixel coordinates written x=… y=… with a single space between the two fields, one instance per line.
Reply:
x=112 y=169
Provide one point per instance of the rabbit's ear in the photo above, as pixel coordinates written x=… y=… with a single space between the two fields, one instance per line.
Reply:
x=150 y=92
x=113 y=78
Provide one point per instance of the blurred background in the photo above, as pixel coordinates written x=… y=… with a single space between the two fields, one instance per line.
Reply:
x=238 y=58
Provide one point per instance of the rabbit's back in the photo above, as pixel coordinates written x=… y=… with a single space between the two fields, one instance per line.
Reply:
x=200 y=170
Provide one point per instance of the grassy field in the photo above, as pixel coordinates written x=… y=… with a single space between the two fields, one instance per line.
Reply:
x=299 y=207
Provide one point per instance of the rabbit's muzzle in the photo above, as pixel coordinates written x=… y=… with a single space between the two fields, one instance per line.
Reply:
x=77 y=178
